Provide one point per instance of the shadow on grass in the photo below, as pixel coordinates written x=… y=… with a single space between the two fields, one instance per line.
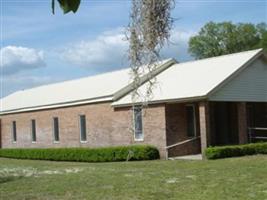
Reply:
x=6 y=179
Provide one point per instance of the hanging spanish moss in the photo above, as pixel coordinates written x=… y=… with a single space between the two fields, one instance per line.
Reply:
x=149 y=28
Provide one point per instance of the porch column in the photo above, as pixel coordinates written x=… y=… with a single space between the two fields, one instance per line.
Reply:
x=204 y=123
x=242 y=122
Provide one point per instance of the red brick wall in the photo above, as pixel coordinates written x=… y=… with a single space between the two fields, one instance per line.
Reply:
x=189 y=148
x=176 y=129
x=105 y=127
x=175 y=123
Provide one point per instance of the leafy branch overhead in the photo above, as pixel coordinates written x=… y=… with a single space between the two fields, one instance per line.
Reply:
x=67 y=5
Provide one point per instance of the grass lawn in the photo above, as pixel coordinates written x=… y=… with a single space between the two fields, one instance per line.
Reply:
x=234 y=178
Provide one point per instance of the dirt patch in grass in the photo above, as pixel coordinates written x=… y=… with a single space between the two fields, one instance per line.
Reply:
x=9 y=174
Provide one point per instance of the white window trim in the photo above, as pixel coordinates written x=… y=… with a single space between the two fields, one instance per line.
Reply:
x=53 y=125
x=195 y=122
x=80 y=130
x=143 y=134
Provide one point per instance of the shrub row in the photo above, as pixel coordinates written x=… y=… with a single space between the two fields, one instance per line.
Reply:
x=236 y=150
x=108 y=154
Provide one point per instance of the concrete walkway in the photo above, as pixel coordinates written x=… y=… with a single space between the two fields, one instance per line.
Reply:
x=188 y=157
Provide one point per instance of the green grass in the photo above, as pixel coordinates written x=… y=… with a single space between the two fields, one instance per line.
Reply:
x=234 y=178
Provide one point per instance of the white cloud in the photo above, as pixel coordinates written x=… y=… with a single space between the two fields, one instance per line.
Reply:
x=106 y=52
x=15 y=59
x=109 y=50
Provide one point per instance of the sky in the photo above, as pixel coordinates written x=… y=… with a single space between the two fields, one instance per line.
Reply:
x=38 y=47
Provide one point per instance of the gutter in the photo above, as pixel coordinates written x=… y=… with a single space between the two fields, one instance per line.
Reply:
x=58 y=105
x=179 y=100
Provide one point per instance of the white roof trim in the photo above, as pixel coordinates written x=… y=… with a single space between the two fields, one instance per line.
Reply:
x=60 y=105
x=178 y=100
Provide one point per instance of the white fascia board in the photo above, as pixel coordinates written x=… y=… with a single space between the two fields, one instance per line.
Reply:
x=55 y=106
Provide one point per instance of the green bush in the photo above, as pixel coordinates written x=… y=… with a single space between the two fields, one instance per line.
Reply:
x=108 y=154
x=236 y=150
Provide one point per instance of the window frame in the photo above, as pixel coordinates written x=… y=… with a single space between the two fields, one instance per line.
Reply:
x=14 y=131
x=134 y=126
x=194 y=118
x=80 y=128
x=35 y=131
x=53 y=125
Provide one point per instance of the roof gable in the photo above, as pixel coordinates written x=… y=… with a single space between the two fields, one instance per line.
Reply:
x=195 y=79
x=249 y=85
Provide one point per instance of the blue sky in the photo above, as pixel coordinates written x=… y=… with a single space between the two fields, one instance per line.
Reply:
x=39 y=48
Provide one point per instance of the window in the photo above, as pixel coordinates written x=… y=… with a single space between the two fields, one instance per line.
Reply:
x=14 y=131
x=138 y=123
x=56 y=129
x=191 y=121
x=33 y=131
x=83 y=128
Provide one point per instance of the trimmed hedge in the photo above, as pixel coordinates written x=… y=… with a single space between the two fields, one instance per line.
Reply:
x=108 y=154
x=236 y=150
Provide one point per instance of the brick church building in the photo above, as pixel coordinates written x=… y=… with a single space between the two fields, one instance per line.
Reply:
x=215 y=101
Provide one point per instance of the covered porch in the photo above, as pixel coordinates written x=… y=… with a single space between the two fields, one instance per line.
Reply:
x=192 y=127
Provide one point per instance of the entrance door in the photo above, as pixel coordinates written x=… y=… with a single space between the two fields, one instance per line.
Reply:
x=226 y=123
